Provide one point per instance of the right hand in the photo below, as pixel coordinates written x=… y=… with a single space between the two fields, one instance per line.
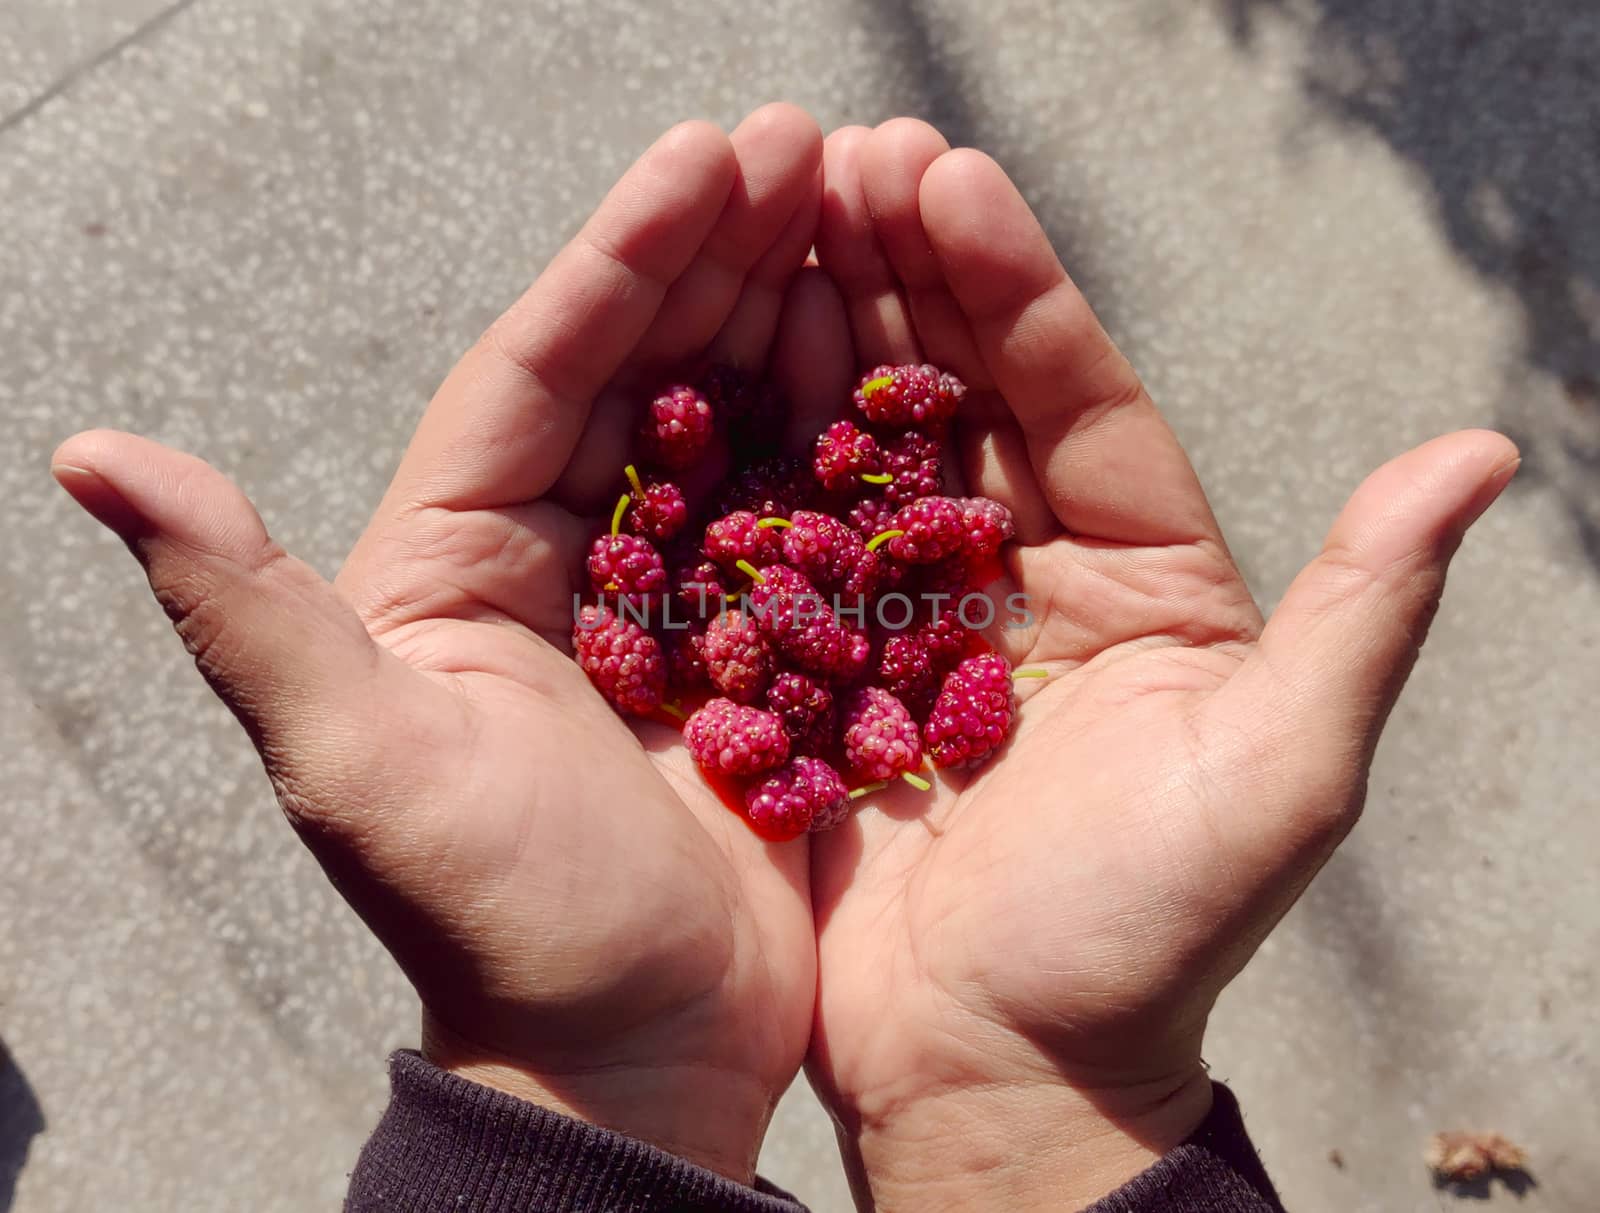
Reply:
x=586 y=924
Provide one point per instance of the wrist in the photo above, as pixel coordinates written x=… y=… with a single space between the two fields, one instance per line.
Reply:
x=711 y=1117
x=1033 y=1144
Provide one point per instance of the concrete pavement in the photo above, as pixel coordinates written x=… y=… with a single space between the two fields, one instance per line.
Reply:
x=261 y=232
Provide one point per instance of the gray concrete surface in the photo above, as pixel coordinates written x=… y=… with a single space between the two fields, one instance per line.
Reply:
x=261 y=231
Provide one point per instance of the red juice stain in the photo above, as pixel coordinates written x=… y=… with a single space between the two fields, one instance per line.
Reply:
x=985 y=572
x=730 y=792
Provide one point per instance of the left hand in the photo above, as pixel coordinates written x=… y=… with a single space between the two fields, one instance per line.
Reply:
x=1016 y=969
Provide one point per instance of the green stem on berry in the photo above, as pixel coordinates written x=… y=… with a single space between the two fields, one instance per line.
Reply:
x=877 y=477
x=632 y=473
x=881 y=538
x=768 y=523
x=1030 y=673
x=674 y=711
x=616 y=514
x=750 y=571
x=873 y=385
x=867 y=790
x=916 y=781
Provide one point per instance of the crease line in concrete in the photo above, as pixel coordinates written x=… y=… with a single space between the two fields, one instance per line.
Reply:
x=89 y=66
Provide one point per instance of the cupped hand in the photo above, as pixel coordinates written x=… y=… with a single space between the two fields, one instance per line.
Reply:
x=585 y=923
x=1015 y=970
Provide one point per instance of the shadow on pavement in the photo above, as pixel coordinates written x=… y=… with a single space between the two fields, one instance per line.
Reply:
x=21 y=1119
x=947 y=94
x=1518 y=1183
x=1498 y=106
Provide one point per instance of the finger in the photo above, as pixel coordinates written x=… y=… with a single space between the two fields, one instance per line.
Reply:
x=771 y=208
x=993 y=458
x=812 y=358
x=747 y=334
x=505 y=422
x=1338 y=649
x=591 y=479
x=274 y=640
x=1109 y=465
x=848 y=249
x=762 y=236
x=994 y=463
x=893 y=159
x=593 y=476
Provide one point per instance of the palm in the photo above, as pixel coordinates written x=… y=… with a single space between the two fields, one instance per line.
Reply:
x=529 y=770
x=1096 y=809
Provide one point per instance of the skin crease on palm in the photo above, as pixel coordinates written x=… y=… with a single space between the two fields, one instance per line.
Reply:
x=1000 y=987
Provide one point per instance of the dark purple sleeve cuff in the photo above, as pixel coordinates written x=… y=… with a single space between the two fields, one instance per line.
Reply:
x=1215 y=1171
x=448 y=1144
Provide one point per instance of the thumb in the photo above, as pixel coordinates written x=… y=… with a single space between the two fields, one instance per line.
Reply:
x=276 y=642
x=1334 y=655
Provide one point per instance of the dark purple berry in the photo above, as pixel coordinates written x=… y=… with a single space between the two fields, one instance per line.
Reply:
x=805 y=706
x=906 y=669
x=774 y=488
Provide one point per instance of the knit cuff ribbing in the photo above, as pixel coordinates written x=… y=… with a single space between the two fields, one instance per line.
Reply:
x=448 y=1144
x=1216 y=1170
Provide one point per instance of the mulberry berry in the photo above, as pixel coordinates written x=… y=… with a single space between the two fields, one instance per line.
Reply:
x=737 y=659
x=805 y=794
x=881 y=740
x=679 y=427
x=826 y=550
x=627 y=566
x=732 y=739
x=916 y=467
x=658 y=510
x=774 y=488
x=622 y=659
x=737 y=537
x=805 y=706
x=909 y=395
x=973 y=713
x=803 y=628
x=844 y=454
